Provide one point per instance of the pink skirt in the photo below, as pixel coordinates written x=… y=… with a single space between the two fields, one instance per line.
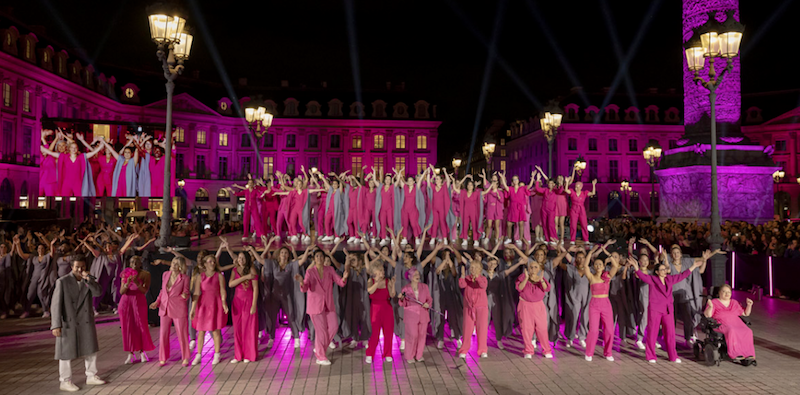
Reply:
x=561 y=206
x=209 y=315
x=494 y=211
x=516 y=212
x=133 y=320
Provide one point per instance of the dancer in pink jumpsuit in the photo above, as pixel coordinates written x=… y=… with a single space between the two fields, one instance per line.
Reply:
x=386 y=207
x=660 y=309
x=105 y=179
x=156 y=168
x=367 y=207
x=411 y=212
x=354 y=209
x=416 y=300
x=476 y=308
x=283 y=206
x=381 y=291
x=549 y=209
x=600 y=307
x=440 y=208
x=471 y=215
x=209 y=307
x=48 y=170
x=518 y=196
x=495 y=198
x=577 y=211
x=297 y=205
x=531 y=310
x=133 y=312
x=561 y=207
x=173 y=309
x=738 y=336
x=269 y=215
x=252 y=217
x=318 y=285
x=244 y=280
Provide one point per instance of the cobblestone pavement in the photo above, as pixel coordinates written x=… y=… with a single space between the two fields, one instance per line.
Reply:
x=27 y=367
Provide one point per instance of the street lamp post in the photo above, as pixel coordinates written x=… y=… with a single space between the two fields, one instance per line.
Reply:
x=456 y=164
x=174 y=41
x=625 y=188
x=651 y=155
x=488 y=150
x=580 y=166
x=777 y=176
x=550 y=121
x=258 y=122
x=714 y=40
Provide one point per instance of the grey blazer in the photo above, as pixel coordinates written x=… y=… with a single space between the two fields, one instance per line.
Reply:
x=71 y=310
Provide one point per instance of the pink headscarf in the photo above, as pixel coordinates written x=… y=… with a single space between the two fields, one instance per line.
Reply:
x=410 y=273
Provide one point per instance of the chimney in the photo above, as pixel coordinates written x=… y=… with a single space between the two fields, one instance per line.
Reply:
x=388 y=85
x=242 y=81
x=652 y=91
x=324 y=84
x=196 y=74
x=284 y=83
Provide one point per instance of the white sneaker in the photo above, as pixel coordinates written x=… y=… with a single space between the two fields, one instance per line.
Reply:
x=294 y=239
x=373 y=240
x=464 y=243
x=94 y=380
x=568 y=343
x=658 y=345
x=296 y=343
x=500 y=345
x=196 y=360
x=459 y=343
x=610 y=358
x=587 y=358
x=356 y=240
x=388 y=359
x=528 y=356
x=383 y=242
x=534 y=343
x=432 y=242
x=444 y=241
x=640 y=345
x=192 y=344
x=507 y=241
x=404 y=242
x=234 y=360
x=351 y=240
x=402 y=345
x=245 y=361
x=270 y=343
x=332 y=346
x=548 y=356
x=440 y=344
x=323 y=363
x=418 y=242
x=421 y=360
x=336 y=239
x=365 y=343
x=409 y=361
x=484 y=355
x=216 y=359
x=368 y=360
x=46 y=314
x=583 y=343
x=67 y=385
x=518 y=242
x=143 y=357
x=475 y=243
x=677 y=360
x=651 y=360
x=353 y=344
x=306 y=239
x=130 y=360
x=462 y=356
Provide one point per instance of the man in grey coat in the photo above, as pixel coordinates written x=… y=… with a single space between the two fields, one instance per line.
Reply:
x=72 y=323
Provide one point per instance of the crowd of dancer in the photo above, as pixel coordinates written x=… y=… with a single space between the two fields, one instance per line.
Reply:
x=71 y=166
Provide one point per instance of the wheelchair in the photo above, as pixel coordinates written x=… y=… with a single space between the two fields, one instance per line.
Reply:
x=713 y=347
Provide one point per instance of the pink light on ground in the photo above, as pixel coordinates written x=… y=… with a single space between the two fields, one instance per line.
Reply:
x=733 y=270
x=770 y=276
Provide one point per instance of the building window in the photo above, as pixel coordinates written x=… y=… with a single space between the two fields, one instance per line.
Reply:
x=612 y=145
x=593 y=169
x=313 y=141
x=222 y=172
x=377 y=164
x=269 y=163
x=356 y=167
x=179 y=135
x=572 y=144
x=356 y=142
x=502 y=141
x=422 y=163
x=223 y=139
x=400 y=142
x=654 y=202
x=269 y=141
x=101 y=130
x=780 y=145
x=613 y=170
x=634 y=171
x=7 y=95
x=633 y=145
x=8 y=135
x=634 y=203
x=594 y=204
x=422 y=142
x=245 y=166
x=313 y=162
x=44 y=107
x=201 y=195
x=502 y=165
x=336 y=141
x=179 y=163
x=378 y=142
x=592 y=144
x=246 y=143
x=673 y=144
x=26 y=101
x=27 y=135
x=290 y=168
x=400 y=163
x=223 y=195
x=335 y=166
x=290 y=140
x=201 y=137
x=200 y=169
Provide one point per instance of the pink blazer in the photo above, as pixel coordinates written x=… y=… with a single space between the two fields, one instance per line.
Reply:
x=660 y=295
x=170 y=302
x=320 y=290
x=414 y=307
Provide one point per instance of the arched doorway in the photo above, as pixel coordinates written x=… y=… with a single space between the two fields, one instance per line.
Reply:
x=614 y=205
x=782 y=204
x=6 y=194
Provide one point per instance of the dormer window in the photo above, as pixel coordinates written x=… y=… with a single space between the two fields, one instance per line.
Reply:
x=335 y=108
x=290 y=108
x=378 y=109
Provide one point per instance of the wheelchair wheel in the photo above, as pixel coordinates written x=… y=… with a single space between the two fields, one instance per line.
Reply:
x=712 y=355
x=696 y=350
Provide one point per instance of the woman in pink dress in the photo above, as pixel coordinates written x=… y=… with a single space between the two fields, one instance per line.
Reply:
x=367 y=208
x=173 y=309
x=561 y=207
x=48 y=173
x=738 y=336
x=244 y=281
x=107 y=162
x=549 y=205
x=385 y=208
x=439 y=198
x=209 y=307
x=133 y=311
x=518 y=194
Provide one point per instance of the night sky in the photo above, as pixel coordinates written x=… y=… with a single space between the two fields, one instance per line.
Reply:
x=439 y=48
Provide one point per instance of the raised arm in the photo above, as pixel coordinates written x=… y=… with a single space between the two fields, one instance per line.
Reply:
x=594 y=188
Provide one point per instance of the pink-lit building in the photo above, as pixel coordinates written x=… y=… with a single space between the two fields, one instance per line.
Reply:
x=311 y=128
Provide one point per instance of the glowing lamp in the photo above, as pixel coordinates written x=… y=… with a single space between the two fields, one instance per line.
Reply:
x=266 y=120
x=314 y=170
x=731 y=36
x=183 y=45
x=165 y=26
x=457 y=164
x=181 y=183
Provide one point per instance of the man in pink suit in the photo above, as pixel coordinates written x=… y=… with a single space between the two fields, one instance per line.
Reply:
x=172 y=308
x=318 y=285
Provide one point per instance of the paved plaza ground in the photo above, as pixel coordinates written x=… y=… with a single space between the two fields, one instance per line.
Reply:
x=27 y=367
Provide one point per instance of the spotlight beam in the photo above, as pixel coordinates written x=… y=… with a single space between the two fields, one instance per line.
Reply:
x=609 y=19
x=349 y=10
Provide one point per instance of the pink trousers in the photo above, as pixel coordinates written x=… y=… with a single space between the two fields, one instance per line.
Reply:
x=481 y=319
x=352 y=224
x=600 y=311
x=409 y=219
x=578 y=218
x=368 y=222
x=282 y=222
x=270 y=218
x=666 y=322
x=382 y=318
x=386 y=218
x=325 y=326
x=330 y=214
x=533 y=320
x=295 y=225
x=439 y=226
x=470 y=218
x=549 y=224
x=416 y=329
x=182 y=331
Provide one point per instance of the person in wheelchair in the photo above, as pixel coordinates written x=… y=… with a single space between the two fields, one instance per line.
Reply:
x=738 y=336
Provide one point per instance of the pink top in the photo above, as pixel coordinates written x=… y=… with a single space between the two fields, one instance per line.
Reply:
x=170 y=300
x=469 y=201
x=410 y=197
x=296 y=200
x=387 y=199
x=660 y=295
x=602 y=288
x=353 y=197
x=48 y=169
x=320 y=289
x=122 y=183
x=494 y=199
x=519 y=196
x=577 y=201
x=440 y=199
x=157 y=176
x=550 y=196
x=474 y=291
x=532 y=292
x=70 y=172
x=724 y=315
x=368 y=199
x=424 y=297
x=107 y=166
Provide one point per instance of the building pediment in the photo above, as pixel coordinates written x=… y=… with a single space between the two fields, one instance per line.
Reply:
x=184 y=102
